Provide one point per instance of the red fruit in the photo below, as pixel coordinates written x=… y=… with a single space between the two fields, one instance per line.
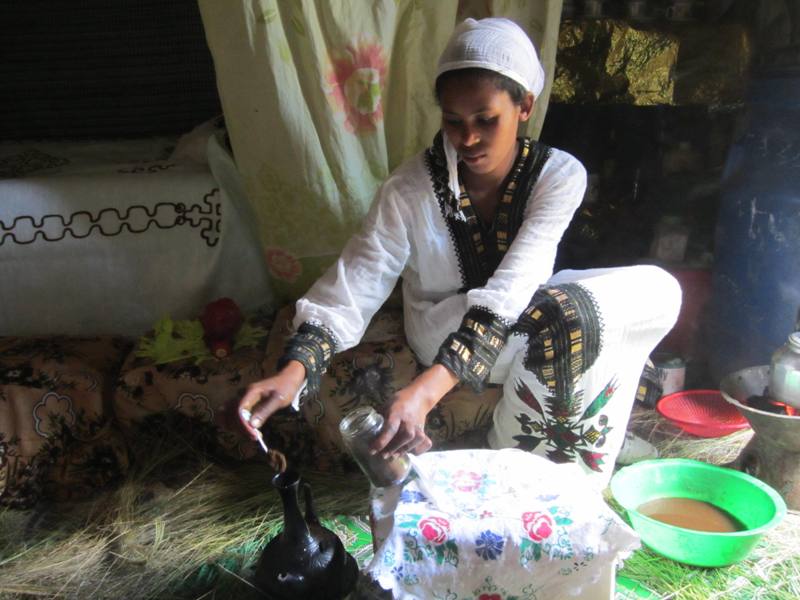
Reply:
x=221 y=319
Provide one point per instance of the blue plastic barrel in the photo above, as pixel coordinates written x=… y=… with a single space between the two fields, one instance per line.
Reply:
x=755 y=293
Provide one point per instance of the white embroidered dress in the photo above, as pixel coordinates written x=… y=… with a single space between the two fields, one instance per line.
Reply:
x=406 y=234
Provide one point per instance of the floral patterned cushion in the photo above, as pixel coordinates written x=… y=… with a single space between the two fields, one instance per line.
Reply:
x=57 y=436
x=199 y=398
x=63 y=406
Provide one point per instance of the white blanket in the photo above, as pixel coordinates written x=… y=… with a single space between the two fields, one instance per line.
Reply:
x=93 y=241
x=488 y=524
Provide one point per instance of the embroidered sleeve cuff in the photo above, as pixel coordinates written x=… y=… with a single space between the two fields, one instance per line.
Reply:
x=313 y=346
x=470 y=352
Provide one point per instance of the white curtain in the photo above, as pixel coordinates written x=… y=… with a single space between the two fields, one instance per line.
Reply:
x=323 y=98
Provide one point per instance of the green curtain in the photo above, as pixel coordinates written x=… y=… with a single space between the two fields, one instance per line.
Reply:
x=322 y=99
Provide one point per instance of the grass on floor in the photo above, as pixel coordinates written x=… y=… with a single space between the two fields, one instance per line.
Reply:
x=151 y=539
x=184 y=527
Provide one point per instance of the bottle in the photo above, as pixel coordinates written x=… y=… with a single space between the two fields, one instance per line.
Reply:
x=304 y=561
x=358 y=429
x=784 y=372
x=670 y=239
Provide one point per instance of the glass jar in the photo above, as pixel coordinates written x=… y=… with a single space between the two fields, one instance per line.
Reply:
x=358 y=428
x=784 y=373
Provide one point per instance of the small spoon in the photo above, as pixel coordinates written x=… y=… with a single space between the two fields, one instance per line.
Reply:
x=246 y=414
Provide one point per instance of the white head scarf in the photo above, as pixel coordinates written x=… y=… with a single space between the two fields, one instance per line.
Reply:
x=494 y=44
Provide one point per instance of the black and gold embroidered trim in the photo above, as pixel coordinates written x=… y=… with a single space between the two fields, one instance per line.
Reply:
x=313 y=346
x=564 y=330
x=479 y=251
x=470 y=352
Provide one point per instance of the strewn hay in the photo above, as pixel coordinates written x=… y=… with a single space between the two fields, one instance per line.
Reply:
x=184 y=527
x=151 y=539
x=672 y=442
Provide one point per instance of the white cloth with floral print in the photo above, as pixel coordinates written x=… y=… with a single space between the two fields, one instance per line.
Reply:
x=483 y=524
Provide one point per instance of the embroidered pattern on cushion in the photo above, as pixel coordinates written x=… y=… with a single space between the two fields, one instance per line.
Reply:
x=203 y=215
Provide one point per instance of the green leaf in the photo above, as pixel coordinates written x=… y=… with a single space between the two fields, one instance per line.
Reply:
x=537 y=551
x=248 y=335
x=563 y=521
x=601 y=400
x=189 y=330
x=451 y=554
x=407 y=521
x=173 y=340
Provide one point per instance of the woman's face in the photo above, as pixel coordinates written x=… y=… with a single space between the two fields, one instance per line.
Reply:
x=481 y=122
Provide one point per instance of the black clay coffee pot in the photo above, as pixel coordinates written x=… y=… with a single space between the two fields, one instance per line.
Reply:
x=305 y=561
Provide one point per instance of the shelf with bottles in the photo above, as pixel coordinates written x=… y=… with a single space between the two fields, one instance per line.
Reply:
x=644 y=164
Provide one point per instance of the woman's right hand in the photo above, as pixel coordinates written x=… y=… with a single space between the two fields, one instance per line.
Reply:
x=265 y=397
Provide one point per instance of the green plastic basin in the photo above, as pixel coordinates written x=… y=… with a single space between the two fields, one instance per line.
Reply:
x=752 y=502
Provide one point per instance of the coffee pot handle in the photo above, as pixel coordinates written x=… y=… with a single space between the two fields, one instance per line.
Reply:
x=311 y=515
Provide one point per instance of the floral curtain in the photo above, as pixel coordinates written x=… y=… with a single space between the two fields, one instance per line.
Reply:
x=323 y=98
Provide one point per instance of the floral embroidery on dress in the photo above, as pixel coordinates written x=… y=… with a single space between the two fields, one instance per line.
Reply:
x=356 y=80
x=563 y=428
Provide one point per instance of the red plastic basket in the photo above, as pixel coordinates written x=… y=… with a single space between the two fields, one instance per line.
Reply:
x=703 y=413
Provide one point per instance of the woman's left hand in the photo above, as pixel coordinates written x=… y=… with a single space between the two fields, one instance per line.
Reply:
x=404 y=418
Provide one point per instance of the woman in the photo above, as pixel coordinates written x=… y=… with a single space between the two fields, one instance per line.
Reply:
x=472 y=225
